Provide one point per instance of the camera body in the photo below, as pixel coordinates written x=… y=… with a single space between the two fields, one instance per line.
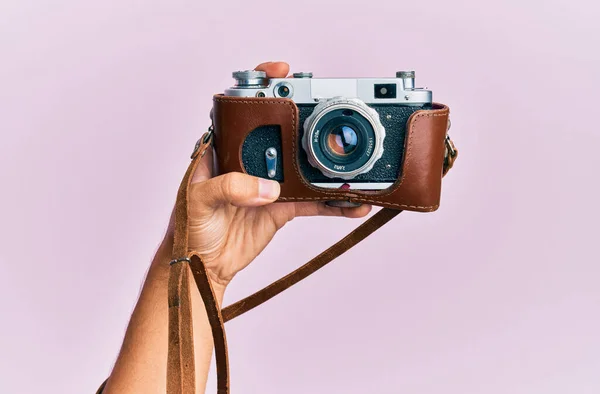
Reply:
x=351 y=132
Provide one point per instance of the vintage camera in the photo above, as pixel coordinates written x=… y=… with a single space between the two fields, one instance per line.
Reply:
x=351 y=131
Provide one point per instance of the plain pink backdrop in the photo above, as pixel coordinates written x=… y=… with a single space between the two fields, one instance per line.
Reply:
x=497 y=292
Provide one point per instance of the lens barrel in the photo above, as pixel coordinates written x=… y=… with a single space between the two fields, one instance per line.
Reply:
x=343 y=138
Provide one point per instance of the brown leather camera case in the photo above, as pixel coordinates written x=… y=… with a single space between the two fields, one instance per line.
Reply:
x=417 y=189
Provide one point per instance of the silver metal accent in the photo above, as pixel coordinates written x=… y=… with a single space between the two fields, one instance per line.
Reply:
x=250 y=78
x=408 y=79
x=354 y=185
x=303 y=75
x=271 y=158
x=180 y=260
x=356 y=105
x=209 y=133
x=312 y=90
x=450 y=151
x=205 y=139
x=286 y=84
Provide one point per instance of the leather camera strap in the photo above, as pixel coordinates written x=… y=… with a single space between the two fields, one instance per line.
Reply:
x=180 y=368
x=358 y=234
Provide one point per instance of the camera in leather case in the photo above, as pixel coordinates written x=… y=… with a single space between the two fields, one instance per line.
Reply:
x=345 y=141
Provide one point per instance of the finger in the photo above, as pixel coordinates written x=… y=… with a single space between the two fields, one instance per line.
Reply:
x=237 y=189
x=321 y=209
x=204 y=170
x=274 y=69
x=357 y=212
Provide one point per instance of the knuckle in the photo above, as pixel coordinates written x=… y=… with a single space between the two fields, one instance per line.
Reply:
x=228 y=184
x=235 y=184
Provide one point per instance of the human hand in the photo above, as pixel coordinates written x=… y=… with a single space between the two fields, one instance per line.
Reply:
x=232 y=217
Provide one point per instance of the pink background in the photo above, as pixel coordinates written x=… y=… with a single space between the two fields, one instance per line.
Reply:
x=497 y=292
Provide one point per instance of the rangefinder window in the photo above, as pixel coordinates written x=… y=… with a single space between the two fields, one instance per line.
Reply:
x=385 y=90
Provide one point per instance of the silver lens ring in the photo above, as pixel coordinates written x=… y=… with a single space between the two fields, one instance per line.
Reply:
x=341 y=103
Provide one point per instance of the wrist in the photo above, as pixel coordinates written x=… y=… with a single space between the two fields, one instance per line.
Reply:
x=159 y=270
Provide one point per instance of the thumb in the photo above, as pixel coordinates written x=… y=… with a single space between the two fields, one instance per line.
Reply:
x=240 y=190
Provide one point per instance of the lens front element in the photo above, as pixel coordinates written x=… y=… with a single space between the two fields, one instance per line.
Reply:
x=343 y=138
x=342 y=141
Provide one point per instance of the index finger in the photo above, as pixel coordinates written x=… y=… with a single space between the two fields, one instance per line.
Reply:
x=274 y=69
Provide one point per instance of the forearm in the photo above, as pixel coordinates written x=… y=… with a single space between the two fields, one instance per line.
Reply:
x=141 y=366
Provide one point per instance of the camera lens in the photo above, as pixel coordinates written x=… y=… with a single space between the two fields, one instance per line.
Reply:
x=342 y=141
x=343 y=138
